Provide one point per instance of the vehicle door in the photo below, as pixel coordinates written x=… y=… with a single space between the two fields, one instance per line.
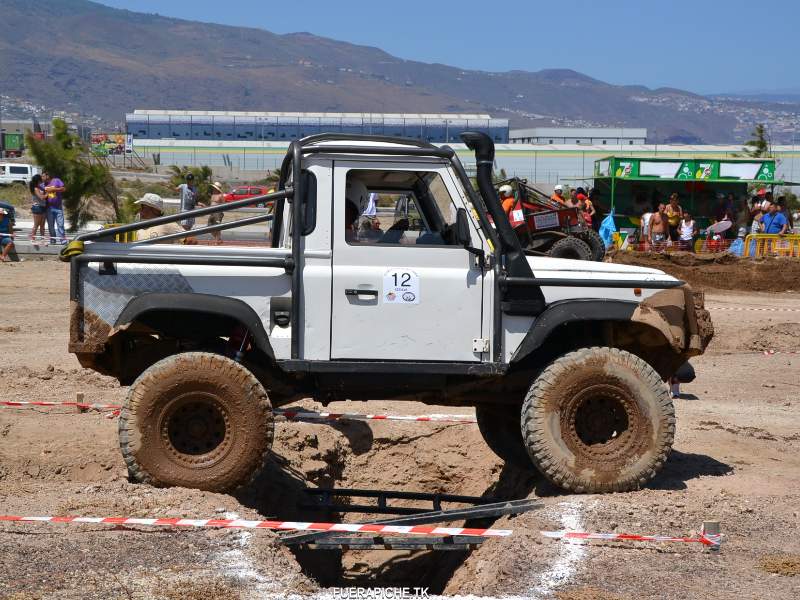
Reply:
x=403 y=288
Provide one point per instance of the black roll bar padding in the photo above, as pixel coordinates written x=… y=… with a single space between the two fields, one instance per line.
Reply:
x=483 y=146
x=180 y=216
x=204 y=230
x=297 y=253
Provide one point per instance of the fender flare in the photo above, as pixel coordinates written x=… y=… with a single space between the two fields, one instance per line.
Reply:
x=568 y=311
x=199 y=303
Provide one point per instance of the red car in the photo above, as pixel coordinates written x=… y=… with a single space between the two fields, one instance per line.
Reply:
x=247 y=191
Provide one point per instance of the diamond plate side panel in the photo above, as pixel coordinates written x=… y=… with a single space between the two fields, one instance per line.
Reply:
x=108 y=295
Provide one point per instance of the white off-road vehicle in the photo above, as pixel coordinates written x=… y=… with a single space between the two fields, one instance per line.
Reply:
x=387 y=277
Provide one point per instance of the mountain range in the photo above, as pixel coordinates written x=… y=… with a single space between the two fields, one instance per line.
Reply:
x=106 y=61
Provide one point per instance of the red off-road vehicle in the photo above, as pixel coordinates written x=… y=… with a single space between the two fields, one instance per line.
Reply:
x=547 y=227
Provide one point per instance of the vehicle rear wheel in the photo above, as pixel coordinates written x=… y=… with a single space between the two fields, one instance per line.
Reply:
x=571 y=247
x=598 y=420
x=500 y=427
x=595 y=243
x=196 y=420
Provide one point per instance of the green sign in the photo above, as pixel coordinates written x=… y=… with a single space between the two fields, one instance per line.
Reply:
x=679 y=169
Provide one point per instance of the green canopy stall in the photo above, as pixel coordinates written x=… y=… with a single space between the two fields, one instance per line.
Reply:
x=634 y=185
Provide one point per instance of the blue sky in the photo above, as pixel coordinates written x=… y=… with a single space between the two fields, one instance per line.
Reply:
x=704 y=46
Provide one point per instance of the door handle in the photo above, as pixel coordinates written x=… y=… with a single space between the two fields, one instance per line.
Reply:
x=359 y=292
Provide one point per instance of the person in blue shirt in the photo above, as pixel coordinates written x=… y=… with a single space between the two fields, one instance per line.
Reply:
x=6 y=234
x=774 y=221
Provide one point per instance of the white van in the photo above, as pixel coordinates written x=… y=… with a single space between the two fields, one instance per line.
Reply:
x=16 y=173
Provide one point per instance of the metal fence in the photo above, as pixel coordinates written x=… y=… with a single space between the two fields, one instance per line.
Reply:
x=771 y=244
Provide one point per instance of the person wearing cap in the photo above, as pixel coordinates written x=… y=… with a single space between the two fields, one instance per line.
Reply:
x=585 y=206
x=6 y=234
x=188 y=192
x=152 y=206
x=216 y=218
x=507 y=199
x=558 y=194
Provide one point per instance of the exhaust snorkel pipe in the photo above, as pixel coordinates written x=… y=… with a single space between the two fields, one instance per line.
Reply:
x=516 y=265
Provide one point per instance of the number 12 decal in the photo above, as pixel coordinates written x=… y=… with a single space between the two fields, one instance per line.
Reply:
x=400 y=286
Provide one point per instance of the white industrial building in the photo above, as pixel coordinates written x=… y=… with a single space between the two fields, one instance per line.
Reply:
x=588 y=136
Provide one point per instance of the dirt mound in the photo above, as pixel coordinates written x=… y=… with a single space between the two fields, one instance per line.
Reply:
x=721 y=271
x=780 y=336
x=782 y=565
x=210 y=559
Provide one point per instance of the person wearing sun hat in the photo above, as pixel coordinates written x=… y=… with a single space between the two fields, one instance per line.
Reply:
x=216 y=218
x=151 y=206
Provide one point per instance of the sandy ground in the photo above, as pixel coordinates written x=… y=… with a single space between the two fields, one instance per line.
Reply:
x=735 y=460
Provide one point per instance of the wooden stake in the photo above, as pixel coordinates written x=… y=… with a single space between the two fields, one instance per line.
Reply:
x=79 y=398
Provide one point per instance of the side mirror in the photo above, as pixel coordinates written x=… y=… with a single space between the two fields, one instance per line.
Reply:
x=462 y=235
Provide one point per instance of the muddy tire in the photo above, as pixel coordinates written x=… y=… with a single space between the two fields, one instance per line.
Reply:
x=500 y=427
x=598 y=420
x=196 y=420
x=595 y=243
x=571 y=247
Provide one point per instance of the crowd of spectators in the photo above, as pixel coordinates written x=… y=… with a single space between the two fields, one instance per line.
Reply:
x=673 y=226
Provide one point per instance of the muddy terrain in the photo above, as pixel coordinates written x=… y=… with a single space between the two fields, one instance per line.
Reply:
x=736 y=460
x=722 y=271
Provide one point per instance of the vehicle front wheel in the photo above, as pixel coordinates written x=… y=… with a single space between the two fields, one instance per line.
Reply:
x=598 y=420
x=196 y=420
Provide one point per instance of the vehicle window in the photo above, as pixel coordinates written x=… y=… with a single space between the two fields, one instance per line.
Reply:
x=239 y=191
x=405 y=208
x=18 y=170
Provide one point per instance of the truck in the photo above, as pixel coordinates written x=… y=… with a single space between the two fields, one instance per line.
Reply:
x=11 y=173
x=11 y=145
x=564 y=361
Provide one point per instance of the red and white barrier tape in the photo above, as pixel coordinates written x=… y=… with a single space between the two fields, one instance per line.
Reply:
x=773 y=352
x=753 y=308
x=72 y=404
x=291 y=415
x=290 y=525
x=326 y=416
x=706 y=539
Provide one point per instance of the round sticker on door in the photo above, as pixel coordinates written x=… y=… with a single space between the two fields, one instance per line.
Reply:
x=400 y=286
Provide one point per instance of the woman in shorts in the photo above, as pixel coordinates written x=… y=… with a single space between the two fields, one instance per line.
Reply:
x=216 y=218
x=38 y=206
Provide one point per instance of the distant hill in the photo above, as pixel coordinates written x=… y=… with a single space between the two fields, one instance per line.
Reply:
x=108 y=61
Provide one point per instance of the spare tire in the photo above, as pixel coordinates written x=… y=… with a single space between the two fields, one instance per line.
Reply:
x=196 y=420
x=598 y=420
x=595 y=243
x=499 y=425
x=571 y=247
